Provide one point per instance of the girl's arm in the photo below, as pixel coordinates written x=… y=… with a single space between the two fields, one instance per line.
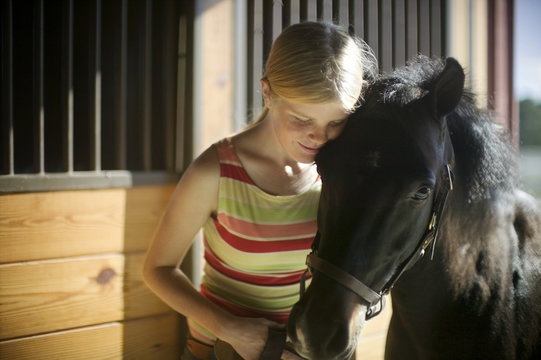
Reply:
x=193 y=201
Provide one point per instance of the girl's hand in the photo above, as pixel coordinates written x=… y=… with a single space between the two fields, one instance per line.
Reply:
x=248 y=336
x=288 y=355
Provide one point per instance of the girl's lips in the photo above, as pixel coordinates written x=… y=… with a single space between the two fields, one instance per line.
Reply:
x=309 y=149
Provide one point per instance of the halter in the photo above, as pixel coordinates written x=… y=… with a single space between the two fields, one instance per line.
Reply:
x=376 y=299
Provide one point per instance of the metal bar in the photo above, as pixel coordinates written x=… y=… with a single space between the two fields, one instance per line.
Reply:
x=424 y=26
x=181 y=93
x=356 y=16
x=294 y=12
x=435 y=28
x=38 y=114
x=6 y=141
x=276 y=19
x=147 y=87
x=122 y=102
x=257 y=57
x=310 y=7
x=169 y=83
x=411 y=29
x=67 y=84
x=324 y=10
x=61 y=181
x=386 y=35
x=341 y=12
x=372 y=26
x=97 y=89
x=197 y=77
x=399 y=33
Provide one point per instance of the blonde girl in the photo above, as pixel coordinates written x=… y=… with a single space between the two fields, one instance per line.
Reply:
x=255 y=194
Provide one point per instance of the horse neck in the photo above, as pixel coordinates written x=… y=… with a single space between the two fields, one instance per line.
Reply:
x=471 y=252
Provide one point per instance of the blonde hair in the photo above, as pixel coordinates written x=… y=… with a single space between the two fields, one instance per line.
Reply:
x=316 y=62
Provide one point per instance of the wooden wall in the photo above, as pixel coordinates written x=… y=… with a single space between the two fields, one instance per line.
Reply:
x=70 y=279
x=371 y=344
x=70 y=276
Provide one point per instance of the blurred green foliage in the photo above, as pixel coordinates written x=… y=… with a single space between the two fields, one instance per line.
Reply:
x=530 y=122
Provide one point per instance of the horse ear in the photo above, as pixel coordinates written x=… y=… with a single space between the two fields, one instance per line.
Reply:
x=448 y=88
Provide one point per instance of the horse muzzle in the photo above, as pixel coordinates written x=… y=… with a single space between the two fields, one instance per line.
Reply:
x=323 y=329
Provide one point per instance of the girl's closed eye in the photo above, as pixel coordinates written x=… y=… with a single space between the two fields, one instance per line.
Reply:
x=302 y=121
x=337 y=122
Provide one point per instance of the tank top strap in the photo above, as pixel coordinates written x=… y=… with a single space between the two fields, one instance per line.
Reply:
x=226 y=152
x=230 y=164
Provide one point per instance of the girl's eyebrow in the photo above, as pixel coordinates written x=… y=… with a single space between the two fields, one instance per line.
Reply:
x=299 y=115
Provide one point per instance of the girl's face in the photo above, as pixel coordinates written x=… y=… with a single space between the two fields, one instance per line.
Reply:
x=303 y=128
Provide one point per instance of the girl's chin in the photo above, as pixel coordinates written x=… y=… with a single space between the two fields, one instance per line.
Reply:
x=305 y=159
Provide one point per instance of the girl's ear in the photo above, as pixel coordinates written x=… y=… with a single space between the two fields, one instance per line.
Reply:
x=267 y=92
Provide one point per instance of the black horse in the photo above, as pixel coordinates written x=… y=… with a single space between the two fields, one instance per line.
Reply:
x=420 y=169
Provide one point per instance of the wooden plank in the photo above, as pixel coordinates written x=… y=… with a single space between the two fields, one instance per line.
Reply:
x=138 y=300
x=371 y=348
x=43 y=296
x=380 y=323
x=143 y=208
x=148 y=338
x=50 y=225
x=371 y=345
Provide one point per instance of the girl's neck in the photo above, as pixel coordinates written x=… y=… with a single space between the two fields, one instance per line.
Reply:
x=268 y=165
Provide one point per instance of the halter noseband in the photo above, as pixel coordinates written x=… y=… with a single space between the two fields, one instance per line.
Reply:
x=375 y=299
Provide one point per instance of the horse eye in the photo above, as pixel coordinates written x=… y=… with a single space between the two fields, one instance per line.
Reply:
x=422 y=193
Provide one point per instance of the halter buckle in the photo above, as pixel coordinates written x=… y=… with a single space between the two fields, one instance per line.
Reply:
x=375 y=309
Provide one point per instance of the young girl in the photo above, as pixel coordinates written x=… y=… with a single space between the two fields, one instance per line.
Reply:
x=256 y=194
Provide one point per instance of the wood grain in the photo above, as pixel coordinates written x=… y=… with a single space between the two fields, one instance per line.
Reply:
x=149 y=338
x=371 y=347
x=43 y=296
x=60 y=224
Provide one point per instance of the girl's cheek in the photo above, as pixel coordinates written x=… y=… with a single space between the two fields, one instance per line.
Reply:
x=334 y=131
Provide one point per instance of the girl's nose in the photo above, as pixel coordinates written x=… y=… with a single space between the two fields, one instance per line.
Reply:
x=318 y=135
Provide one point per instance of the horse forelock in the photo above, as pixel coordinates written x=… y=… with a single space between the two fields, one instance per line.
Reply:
x=483 y=153
x=408 y=83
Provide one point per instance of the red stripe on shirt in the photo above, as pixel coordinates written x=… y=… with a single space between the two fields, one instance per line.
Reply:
x=266 y=246
x=280 y=317
x=263 y=280
x=235 y=172
x=251 y=229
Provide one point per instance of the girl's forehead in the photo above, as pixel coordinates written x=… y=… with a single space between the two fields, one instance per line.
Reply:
x=329 y=111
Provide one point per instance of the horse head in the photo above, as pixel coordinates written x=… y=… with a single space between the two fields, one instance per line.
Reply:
x=385 y=180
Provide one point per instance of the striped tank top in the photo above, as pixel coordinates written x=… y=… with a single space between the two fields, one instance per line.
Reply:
x=255 y=246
